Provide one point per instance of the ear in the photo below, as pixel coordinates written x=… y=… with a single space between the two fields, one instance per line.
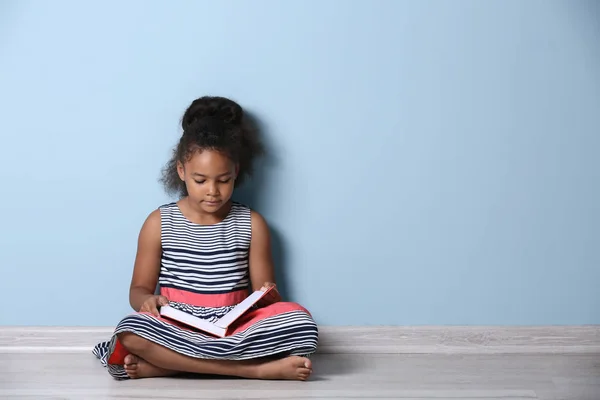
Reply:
x=237 y=170
x=180 y=171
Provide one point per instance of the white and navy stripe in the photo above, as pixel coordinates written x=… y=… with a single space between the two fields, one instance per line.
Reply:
x=205 y=259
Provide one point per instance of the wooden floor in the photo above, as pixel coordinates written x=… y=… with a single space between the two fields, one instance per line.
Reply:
x=341 y=376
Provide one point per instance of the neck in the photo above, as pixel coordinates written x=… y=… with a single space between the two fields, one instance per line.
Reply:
x=197 y=214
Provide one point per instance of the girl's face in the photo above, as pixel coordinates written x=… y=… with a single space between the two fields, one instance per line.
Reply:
x=209 y=177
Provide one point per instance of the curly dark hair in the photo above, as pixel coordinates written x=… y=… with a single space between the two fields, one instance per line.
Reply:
x=213 y=123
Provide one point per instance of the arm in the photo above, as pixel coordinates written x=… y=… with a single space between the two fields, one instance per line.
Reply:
x=261 y=259
x=262 y=271
x=147 y=262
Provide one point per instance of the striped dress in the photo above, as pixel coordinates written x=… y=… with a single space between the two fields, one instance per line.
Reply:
x=204 y=271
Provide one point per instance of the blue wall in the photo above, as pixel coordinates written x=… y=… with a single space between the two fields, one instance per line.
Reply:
x=432 y=162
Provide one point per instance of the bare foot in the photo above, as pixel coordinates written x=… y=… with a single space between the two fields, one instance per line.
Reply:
x=139 y=368
x=293 y=367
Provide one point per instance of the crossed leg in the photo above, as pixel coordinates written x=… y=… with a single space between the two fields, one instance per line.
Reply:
x=148 y=359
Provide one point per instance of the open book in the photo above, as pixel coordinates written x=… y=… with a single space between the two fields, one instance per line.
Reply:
x=219 y=327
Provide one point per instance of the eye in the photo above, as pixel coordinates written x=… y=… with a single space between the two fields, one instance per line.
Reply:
x=225 y=180
x=199 y=182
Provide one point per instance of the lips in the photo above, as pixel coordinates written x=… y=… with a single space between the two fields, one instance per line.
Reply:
x=212 y=203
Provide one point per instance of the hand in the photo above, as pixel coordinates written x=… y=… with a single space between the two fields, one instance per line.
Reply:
x=151 y=304
x=267 y=285
x=272 y=297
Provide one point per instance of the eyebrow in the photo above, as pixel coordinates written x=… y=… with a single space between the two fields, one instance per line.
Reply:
x=204 y=176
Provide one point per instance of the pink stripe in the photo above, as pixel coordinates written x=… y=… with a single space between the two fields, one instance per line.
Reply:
x=205 y=300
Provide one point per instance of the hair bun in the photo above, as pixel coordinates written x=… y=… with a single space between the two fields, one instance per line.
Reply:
x=221 y=108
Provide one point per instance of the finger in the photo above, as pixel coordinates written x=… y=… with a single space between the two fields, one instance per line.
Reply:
x=163 y=301
x=155 y=312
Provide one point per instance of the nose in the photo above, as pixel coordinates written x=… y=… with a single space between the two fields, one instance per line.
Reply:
x=213 y=189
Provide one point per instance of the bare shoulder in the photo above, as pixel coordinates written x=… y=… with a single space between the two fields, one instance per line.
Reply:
x=151 y=227
x=259 y=223
x=153 y=219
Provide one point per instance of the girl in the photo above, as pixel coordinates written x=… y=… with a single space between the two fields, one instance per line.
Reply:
x=205 y=251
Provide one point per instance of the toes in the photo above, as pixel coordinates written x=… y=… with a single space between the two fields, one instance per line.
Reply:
x=131 y=365
x=303 y=377
x=307 y=363
x=303 y=362
x=304 y=373
x=132 y=373
x=130 y=359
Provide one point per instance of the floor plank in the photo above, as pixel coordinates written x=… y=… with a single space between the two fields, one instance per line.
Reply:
x=357 y=340
x=341 y=376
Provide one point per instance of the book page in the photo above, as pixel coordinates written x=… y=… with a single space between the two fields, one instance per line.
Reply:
x=241 y=308
x=191 y=320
